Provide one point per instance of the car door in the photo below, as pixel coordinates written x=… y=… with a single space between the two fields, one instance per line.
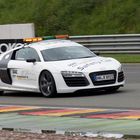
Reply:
x=24 y=73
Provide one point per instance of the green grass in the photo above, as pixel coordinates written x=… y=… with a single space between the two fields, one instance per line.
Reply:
x=124 y=58
x=74 y=17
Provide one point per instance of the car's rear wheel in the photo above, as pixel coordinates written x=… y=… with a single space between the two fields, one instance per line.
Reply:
x=47 y=84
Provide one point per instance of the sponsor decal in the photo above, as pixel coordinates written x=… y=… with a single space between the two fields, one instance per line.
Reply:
x=21 y=77
x=22 y=74
x=5 y=47
x=14 y=71
x=7 y=44
x=82 y=66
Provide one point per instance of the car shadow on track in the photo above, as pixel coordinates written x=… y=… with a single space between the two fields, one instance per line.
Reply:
x=87 y=93
x=63 y=95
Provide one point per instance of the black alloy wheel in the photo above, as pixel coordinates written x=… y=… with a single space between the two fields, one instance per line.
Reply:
x=47 y=84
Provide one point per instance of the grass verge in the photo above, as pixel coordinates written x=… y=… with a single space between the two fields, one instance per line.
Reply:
x=124 y=58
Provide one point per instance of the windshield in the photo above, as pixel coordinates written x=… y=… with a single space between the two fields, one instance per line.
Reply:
x=66 y=53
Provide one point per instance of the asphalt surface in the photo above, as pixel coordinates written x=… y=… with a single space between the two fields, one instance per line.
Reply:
x=128 y=97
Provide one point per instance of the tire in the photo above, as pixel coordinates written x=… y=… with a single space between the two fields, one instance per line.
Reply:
x=1 y=93
x=112 y=89
x=47 y=84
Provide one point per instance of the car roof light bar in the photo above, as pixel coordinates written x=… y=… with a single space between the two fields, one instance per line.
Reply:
x=61 y=36
x=37 y=39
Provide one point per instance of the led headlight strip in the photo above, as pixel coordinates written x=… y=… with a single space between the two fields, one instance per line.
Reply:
x=72 y=74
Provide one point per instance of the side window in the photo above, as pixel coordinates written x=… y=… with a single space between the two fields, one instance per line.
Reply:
x=26 y=53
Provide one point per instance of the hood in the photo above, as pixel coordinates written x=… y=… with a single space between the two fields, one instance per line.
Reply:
x=86 y=64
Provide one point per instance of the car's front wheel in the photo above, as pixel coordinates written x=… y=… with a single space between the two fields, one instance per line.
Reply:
x=47 y=84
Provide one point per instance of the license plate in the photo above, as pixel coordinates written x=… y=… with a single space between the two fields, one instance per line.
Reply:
x=104 y=77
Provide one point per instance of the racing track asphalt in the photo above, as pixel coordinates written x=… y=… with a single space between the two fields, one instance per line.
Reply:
x=128 y=97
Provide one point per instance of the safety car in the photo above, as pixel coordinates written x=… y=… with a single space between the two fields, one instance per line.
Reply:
x=57 y=66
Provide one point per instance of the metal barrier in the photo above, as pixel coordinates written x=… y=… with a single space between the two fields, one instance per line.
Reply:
x=120 y=43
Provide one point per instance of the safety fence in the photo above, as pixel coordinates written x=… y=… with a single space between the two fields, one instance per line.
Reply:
x=119 y=43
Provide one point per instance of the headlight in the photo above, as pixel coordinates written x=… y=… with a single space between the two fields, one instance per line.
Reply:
x=120 y=68
x=72 y=74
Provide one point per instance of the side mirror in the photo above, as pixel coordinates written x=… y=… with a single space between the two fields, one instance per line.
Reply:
x=31 y=60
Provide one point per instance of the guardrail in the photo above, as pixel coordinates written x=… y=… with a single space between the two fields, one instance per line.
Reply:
x=120 y=43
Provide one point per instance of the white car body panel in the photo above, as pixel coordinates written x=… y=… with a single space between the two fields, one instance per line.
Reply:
x=25 y=76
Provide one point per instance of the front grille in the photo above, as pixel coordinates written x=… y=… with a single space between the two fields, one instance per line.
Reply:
x=120 y=76
x=103 y=82
x=76 y=81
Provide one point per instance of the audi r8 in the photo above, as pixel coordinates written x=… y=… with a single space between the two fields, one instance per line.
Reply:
x=58 y=66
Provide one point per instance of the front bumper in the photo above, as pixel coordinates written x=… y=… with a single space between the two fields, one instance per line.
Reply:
x=63 y=87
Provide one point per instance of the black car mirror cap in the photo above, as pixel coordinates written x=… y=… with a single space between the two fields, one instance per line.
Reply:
x=31 y=60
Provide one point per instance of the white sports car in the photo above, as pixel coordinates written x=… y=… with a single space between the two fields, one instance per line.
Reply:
x=57 y=66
